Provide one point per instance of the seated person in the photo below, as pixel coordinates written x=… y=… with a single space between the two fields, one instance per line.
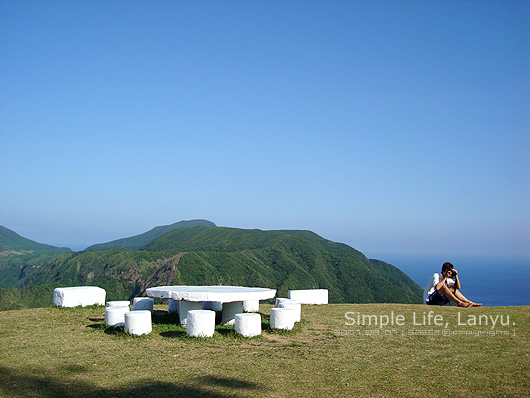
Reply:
x=444 y=287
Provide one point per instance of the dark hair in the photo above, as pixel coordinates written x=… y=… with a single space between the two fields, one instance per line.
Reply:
x=447 y=267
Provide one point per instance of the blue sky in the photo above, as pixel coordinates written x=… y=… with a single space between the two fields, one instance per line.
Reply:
x=392 y=126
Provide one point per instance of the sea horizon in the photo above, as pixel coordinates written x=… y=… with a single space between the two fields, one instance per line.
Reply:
x=490 y=280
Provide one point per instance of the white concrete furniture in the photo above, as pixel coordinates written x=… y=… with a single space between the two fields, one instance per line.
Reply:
x=118 y=303
x=228 y=316
x=251 y=306
x=212 y=305
x=186 y=306
x=283 y=300
x=248 y=324
x=115 y=315
x=228 y=295
x=79 y=295
x=143 y=303
x=201 y=323
x=310 y=296
x=282 y=318
x=297 y=307
x=173 y=306
x=138 y=322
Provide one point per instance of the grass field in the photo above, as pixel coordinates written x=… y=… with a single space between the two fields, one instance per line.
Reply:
x=59 y=352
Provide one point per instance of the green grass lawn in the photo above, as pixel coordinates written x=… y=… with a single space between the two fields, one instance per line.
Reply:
x=59 y=352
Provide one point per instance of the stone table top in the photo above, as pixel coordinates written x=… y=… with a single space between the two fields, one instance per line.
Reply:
x=224 y=294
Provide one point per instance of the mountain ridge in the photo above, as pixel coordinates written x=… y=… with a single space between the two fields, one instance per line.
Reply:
x=206 y=255
x=11 y=241
x=136 y=242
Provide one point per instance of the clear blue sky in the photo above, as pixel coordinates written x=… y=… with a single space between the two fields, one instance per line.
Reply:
x=392 y=126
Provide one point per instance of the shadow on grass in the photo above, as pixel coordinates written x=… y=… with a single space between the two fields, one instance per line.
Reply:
x=97 y=326
x=115 y=330
x=229 y=382
x=225 y=330
x=174 y=334
x=15 y=383
x=165 y=318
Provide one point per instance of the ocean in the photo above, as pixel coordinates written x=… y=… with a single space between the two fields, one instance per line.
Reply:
x=488 y=280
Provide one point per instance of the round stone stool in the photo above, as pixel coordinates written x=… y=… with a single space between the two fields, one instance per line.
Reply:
x=282 y=300
x=201 y=323
x=282 y=318
x=173 y=306
x=118 y=303
x=115 y=315
x=143 y=303
x=138 y=322
x=248 y=324
x=295 y=306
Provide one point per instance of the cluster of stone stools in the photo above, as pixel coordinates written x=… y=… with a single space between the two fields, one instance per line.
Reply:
x=199 y=322
x=135 y=322
x=197 y=317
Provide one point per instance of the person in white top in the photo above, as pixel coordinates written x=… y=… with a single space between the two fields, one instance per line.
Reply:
x=444 y=287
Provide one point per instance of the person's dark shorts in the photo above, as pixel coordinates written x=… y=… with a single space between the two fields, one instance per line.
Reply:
x=437 y=299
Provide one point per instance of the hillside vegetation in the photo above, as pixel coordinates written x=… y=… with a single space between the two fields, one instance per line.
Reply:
x=207 y=255
x=139 y=241
x=20 y=256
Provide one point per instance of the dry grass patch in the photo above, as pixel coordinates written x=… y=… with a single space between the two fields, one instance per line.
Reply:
x=69 y=352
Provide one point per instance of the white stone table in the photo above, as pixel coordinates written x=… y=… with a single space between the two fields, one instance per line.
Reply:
x=232 y=297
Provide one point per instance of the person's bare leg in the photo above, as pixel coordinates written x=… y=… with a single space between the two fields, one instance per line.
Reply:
x=463 y=298
x=451 y=296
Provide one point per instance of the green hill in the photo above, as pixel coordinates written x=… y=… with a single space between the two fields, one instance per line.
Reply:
x=20 y=256
x=282 y=260
x=10 y=241
x=138 y=241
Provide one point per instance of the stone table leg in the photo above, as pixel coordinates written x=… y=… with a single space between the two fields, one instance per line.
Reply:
x=230 y=310
x=186 y=306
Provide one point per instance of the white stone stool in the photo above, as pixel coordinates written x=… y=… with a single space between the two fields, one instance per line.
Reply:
x=115 y=315
x=185 y=307
x=248 y=324
x=230 y=310
x=201 y=323
x=282 y=300
x=282 y=318
x=118 y=303
x=138 y=322
x=173 y=306
x=251 y=306
x=295 y=306
x=143 y=303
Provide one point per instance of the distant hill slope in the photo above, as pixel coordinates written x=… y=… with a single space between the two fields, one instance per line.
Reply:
x=11 y=241
x=138 y=241
x=282 y=260
x=20 y=256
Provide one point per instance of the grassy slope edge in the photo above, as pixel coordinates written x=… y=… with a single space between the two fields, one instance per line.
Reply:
x=68 y=352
